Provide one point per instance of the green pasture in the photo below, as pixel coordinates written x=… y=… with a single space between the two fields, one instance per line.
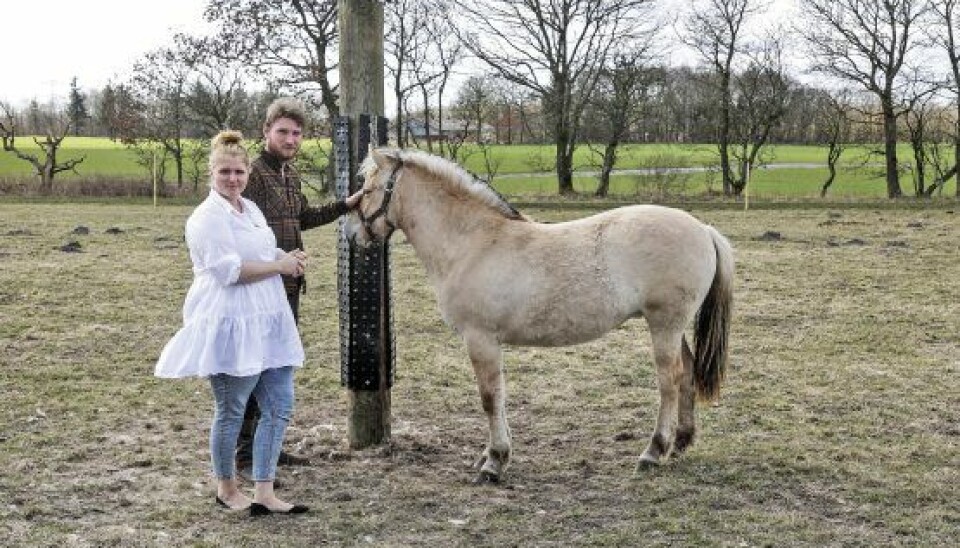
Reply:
x=765 y=184
x=527 y=169
x=838 y=422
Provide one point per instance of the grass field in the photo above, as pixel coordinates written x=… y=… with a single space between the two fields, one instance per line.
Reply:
x=109 y=161
x=839 y=423
x=765 y=184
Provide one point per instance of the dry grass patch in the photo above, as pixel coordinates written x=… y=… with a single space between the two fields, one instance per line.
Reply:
x=838 y=423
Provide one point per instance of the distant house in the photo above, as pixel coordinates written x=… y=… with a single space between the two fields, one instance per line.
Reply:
x=454 y=130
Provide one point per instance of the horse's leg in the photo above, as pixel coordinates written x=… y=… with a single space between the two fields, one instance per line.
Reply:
x=687 y=427
x=485 y=355
x=667 y=356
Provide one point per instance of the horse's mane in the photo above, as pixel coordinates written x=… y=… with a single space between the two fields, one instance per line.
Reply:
x=460 y=181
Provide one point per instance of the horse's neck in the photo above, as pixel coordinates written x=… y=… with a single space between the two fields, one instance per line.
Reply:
x=443 y=229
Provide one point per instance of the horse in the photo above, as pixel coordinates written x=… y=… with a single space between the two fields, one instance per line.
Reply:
x=501 y=278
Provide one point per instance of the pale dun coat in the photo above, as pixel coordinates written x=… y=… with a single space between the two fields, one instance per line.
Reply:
x=503 y=279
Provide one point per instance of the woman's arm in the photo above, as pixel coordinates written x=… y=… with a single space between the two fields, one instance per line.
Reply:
x=290 y=264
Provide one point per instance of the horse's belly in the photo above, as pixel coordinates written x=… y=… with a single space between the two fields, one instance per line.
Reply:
x=560 y=327
x=553 y=338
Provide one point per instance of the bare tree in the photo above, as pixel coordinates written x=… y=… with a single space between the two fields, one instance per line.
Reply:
x=687 y=106
x=159 y=84
x=945 y=32
x=491 y=161
x=867 y=43
x=117 y=111
x=291 y=42
x=426 y=83
x=426 y=76
x=938 y=149
x=799 y=123
x=454 y=144
x=917 y=122
x=55 y=125
x=833 y=120
x=620 y=102
x=216 y=96
x=448 y=52
x=715 y=31
x=475 y=102
x=509 y=116
x=406 y=42
x=760 y=97
x=520 y=115
x=555 y=48
x=920 y=106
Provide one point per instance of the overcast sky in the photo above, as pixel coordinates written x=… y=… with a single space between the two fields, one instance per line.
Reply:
x=76 y=39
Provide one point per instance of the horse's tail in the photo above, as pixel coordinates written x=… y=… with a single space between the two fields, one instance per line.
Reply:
x=713 y=323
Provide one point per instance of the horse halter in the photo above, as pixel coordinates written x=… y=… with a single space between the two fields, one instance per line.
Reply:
x=384 y=205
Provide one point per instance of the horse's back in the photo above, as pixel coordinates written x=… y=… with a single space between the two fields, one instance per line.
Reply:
x=657 y=256
x=647 y=240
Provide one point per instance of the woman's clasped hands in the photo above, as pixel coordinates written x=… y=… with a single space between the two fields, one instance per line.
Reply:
x=293 y=263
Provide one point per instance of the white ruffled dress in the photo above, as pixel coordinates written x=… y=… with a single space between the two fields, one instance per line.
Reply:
x=240 y=329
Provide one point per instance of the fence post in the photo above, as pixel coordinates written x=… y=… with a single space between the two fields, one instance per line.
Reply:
x=153 y=154
x=366 y=343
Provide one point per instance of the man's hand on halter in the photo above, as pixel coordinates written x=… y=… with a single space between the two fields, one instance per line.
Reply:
x=354 y=199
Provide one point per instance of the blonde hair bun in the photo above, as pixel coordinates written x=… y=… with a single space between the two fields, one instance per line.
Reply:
x=227 y=144
x=226 y=138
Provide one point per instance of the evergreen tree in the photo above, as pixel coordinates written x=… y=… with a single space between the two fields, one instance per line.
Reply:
x=77 y=111
x=106 y=111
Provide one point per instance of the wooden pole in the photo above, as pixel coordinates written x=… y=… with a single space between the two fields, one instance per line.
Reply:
x=746 y=187
x=361 y=92
x=154 y=155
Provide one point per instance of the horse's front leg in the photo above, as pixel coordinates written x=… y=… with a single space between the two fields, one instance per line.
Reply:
x=485 y=355
x=667 y=356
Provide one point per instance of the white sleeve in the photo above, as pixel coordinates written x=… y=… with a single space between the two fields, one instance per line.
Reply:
x=213 y=248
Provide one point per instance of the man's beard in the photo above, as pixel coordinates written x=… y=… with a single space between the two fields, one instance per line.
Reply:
x=284 y=153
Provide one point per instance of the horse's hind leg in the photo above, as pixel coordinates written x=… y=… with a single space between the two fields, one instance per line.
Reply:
x=486 y=358
x=667 y=356
x=687 y=427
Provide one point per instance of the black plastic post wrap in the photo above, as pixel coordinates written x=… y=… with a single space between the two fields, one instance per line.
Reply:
x=363 y=275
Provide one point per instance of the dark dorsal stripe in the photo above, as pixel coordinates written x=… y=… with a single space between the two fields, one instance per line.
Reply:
x=510 y=211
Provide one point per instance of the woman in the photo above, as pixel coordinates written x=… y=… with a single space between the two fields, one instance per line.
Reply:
x=238 y=330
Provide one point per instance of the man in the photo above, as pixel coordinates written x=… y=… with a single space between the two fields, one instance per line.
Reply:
x=275 y=186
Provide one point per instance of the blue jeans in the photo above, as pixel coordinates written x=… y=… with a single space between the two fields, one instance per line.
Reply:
x=273 y=390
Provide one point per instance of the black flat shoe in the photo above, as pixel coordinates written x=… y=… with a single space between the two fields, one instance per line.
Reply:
x=220 y=502
x=257 y=509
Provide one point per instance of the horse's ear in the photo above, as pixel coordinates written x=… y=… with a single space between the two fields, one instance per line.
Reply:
x=385 y=158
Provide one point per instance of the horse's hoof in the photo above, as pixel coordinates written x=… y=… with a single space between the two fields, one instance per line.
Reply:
x=647 y=463
x=489 y=472
x=480 y=462
x=684 y=441
x=486 y=477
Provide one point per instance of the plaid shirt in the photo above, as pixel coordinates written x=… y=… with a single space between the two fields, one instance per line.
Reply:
x=275 y=187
